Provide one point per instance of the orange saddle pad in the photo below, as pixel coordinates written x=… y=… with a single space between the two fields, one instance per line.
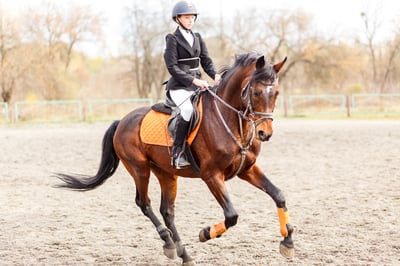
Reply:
x=154 y=128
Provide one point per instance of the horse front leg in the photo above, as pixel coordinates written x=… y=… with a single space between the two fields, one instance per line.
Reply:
x=256 y=177
x=218 y=189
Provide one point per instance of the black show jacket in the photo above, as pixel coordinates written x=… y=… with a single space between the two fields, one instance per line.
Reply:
x=182 y=60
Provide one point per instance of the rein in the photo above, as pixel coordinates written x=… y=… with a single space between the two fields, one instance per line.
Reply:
x=247 y=115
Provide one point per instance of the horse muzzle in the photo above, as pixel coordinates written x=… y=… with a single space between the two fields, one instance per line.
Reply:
x=263 y=136
x=264 y=129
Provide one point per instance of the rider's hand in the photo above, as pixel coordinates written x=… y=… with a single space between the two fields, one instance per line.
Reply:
x=202 y=84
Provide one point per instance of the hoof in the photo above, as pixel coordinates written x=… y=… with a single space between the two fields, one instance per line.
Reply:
x=170 y=253
x=189 y=263
x=204 y=234
x=287 y=252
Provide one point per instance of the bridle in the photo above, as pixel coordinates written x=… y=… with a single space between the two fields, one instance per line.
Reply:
x=247 y=115
x=247 y=91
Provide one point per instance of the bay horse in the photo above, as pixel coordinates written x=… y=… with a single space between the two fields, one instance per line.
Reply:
x=237 y=118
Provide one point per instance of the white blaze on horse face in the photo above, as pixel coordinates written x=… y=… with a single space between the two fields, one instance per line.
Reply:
x=269 y=88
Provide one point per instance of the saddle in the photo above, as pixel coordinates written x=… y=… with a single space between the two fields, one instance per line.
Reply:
x=159 y=123
x=170 y=108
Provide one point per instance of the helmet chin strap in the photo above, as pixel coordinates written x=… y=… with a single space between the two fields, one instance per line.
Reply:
x=181 y=25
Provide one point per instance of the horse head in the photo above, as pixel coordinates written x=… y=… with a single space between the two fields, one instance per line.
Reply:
x=250 y=88
x=259 y=95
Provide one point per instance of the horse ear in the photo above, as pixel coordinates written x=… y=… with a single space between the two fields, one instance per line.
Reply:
x=260 y=62
x=278 y=66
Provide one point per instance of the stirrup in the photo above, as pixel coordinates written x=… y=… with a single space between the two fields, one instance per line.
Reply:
x=180 y=162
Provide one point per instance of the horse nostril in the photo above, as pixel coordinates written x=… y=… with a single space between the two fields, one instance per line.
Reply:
x=263 y=136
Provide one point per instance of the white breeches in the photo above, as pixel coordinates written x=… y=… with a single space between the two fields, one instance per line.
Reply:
x=182 y=99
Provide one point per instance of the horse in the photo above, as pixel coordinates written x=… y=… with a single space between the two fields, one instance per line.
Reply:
x=237 y=118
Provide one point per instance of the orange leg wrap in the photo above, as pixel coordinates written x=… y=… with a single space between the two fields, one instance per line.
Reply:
x=283 y=221
x=217 y=230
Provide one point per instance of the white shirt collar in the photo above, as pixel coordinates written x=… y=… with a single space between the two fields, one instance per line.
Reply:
x=188 y=36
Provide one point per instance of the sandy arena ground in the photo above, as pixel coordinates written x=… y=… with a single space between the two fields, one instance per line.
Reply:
x=341 y=179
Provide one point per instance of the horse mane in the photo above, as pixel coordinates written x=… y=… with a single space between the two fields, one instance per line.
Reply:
x=243 y=60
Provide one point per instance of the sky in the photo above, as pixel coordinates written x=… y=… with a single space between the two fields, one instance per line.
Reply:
x=330 y=17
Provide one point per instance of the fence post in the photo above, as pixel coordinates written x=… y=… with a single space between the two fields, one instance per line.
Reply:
x=348 y=105
x=285 y=107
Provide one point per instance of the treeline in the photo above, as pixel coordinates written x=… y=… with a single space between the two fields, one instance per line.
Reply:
x=39 y=58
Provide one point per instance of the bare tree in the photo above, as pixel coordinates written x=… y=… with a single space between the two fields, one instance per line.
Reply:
x=81 y=25
x=11 y=67
x=392 y=52
x=42 y=57
x=280 y=33
x=382 y=53
x=247 y=34
x=145 y=38
x=44 y=27
x=372 y=23
x=55 y=32
x=290 y=34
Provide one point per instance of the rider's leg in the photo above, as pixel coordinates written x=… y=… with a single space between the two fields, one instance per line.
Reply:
x=182 y=100
x=178 y=158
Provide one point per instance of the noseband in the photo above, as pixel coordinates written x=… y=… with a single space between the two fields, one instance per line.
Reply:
x=248 y=115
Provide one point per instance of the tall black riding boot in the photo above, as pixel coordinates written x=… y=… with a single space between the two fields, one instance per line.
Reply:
x=178 y=157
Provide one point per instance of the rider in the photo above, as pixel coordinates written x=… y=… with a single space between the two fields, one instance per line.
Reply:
x=185 y=51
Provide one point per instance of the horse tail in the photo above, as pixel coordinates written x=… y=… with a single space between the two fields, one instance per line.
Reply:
x=108 y=165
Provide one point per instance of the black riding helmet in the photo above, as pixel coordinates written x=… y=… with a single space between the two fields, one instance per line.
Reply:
x=183 y=8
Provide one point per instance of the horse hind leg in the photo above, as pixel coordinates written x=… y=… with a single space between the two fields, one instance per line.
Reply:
x=168 y=184
x=142 y=200
x=164 y=233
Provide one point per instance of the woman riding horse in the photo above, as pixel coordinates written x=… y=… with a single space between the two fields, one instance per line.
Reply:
x=184 y=53
x=237 y=118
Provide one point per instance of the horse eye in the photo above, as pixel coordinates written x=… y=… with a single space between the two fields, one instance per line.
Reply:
x=257 y=93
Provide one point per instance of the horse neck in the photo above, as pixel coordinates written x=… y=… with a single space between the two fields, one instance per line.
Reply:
x=231 y=93
x=226 y=121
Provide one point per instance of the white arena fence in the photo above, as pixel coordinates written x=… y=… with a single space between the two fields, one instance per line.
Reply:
x=387 y=105
x=329 y=105
x=314 y=106
x=4 y=113
x=76 y=110
x=377 y=105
